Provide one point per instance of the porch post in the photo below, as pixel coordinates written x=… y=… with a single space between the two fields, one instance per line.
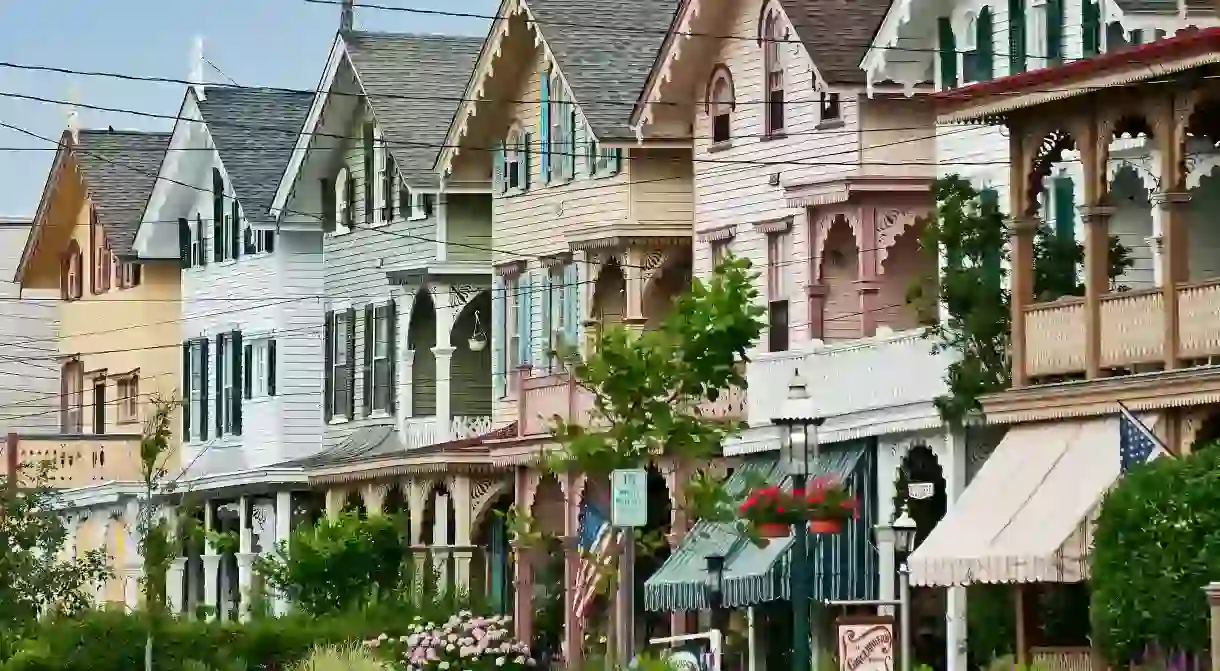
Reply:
x=459 y=488
x=572 y=623
x=633 y=273
x=440 y=538
x=446 y=313
x=524 y=486
x=406 y=357
x=1175 y=265
x=211 y=564
x=175 y=596
x=417 y=499
x=1021 y=245
x=283 y=531
x=442 y=226
x=1096 y=279
x=1213 y=603
x=334 y=502
x=956 y=643
x=245 y=558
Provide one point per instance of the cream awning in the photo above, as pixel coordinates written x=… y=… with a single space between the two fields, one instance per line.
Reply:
x=1027 y=515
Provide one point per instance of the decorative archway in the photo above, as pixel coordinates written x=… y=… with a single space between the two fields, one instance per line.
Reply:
x=421 y=338
x=610 y=294
x=470 y=372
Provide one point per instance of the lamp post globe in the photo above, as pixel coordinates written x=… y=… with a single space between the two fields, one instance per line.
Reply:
x=905 y=529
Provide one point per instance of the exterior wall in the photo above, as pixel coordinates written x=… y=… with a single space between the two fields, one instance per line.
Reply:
x=29 y=374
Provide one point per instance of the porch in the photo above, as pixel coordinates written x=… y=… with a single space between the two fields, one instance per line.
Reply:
x=75 y=460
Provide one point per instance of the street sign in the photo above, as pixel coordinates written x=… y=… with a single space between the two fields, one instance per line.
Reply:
x=629 y=497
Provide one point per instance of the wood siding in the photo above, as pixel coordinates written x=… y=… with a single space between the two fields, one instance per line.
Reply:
x=29 y=372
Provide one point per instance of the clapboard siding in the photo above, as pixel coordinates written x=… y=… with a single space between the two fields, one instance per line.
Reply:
x=29 y=384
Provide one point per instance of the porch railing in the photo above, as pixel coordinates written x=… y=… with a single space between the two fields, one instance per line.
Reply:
x=424 y=431
x=79 y=460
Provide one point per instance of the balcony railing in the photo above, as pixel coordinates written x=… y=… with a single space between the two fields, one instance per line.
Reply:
x=80 y=461
x=420 y=432
x=1132 y=330
x=888 y=370
x=544 y=397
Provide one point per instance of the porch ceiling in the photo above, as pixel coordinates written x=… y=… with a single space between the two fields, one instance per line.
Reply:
x=988 y=101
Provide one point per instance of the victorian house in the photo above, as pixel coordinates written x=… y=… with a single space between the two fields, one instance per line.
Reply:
x=406 y=284
x=251 y=322
x=117 y=348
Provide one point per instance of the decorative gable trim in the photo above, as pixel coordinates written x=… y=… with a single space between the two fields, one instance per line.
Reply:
x=338 y=53
x=662 y=67
x=34 y=239
x=717 y=234
x=484 y=70
x=166 y=179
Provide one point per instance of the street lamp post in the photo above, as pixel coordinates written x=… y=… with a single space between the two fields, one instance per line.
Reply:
x=798 y=448
x=904 y=542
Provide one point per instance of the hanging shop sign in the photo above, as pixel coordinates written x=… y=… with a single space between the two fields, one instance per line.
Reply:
x=865 y=642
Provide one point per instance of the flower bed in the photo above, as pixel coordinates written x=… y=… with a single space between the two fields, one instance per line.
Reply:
x=464 y=641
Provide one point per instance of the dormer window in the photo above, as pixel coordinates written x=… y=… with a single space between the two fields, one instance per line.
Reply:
x=772 y=37
x=345 y=200
x=721 y=102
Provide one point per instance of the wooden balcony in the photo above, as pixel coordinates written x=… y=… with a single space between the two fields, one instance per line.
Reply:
x=544 y=397
x=1133 y=330
x=80 y=460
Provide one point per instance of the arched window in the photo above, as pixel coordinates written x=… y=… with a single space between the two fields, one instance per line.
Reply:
x=773 y=38
x=721 y=101
x=514 y=163
x=969 y=31
x=345 y=200
x=71 y=278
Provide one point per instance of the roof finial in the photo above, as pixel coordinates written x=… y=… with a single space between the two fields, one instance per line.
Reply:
x=73 y=116
x=197 y=61
x=347 y=13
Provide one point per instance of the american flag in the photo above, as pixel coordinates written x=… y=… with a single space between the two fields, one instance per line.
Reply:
x=1136 y=444
x=597 y=541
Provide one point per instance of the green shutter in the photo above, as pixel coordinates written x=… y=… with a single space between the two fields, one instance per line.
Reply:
x=235 y=344
x=544 y=111
x=202 y=431
x=499 y=179
x=1016 y=36
x=984 y=45
x=370 y=170
x=1090 y=27
x=498 y=336
x=329 y=206
x=1054 y=32
x=1064 y=200
x=184 y=242
x=947 y=47
x=1137 y=37
x=186 y=391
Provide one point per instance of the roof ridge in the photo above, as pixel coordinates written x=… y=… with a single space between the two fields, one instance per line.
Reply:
x=409 y=35
x=125 y=131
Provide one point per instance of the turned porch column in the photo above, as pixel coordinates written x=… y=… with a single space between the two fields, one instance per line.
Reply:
x=573 y=625
x=1171 y=116
x=1096 y=280
x=525 y=485
x=633 y=273
x=1021 y=245
x=459 y=487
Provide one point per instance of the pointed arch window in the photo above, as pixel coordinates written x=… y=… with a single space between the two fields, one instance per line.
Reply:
x=721 y=101
x=514 y=160
x=71 y=282
x=345 y=201
x=773 y=37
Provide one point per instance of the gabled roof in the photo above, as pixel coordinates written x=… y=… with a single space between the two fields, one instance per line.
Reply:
x=254 y=131
x=836 y=33
x=413 y=84
x=119 y=169
x=605 y=69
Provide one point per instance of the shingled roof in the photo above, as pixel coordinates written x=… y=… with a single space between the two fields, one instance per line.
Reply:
x=119 y=170
x=1162 y=6
x=837 y=34
x=413 y=83
x=605 y=68
x=254 y=131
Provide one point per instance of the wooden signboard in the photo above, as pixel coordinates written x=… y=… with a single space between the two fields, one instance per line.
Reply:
x=866 y=642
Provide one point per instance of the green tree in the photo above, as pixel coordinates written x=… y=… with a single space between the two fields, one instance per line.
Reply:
x=37 y=574
x=967 y=235
x=339 y=564
x=1154 y=548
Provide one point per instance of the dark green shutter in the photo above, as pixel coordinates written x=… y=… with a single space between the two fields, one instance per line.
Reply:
x=392 y=352
x=203 y=389
x=1090 y=27
x=618 y=160
x=218 y=215
x=186 y=391
x=391 y=178
x=184 y=243
x=271 y=367
x=947 y=46
x=1064 y=198
x=370 y=173
x=221 y=348
x=349 y=403
x=235 y=231
x=984 y=45
x=1137 y=37
x=329 y=207
x=269 y=241
x=366 y=377
x=1054 y=32
x=328 y=362
x=1016 y=36
x=570 y=144
x=989 y=200
x=236 y=400
x=247 y=382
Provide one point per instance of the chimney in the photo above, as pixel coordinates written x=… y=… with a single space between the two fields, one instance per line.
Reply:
x=347 y=13
x=196 y=77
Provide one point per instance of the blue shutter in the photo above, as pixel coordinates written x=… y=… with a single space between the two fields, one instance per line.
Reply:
x=571 y=286
x=527 y=310
x=499 y=180
x=499 y=372
x=527 y=148
x=544 y=108
x=523 y=323
x=548 y=307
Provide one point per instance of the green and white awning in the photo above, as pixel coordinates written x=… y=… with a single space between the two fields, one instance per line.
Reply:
x=844 y=564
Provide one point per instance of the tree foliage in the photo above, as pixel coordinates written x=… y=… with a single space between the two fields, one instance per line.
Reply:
x=338 y=564
x=967 y=234
x=37 y=575
x=646 y=386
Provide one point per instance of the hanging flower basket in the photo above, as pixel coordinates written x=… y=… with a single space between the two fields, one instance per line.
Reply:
x=773 y=530
x=828 y=503
x=773 y=508
x=476 y=344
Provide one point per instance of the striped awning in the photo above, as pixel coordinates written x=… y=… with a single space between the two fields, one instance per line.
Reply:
x=754 y=574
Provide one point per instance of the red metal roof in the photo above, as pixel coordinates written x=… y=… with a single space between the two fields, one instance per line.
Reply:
x=1188 y=42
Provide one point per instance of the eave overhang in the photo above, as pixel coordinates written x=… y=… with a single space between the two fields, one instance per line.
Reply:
x=37 y=226
x=991 y=101
x=662 y=68
x=1145 y=391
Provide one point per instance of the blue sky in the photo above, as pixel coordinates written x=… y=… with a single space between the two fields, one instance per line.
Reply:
x=280 y=43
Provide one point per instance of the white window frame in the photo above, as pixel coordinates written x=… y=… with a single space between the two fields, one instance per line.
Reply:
x=1035 y=37
x=195 y=393
x=379 y=152
x=773 y=69
x=226 y=233
x=228 y=386
x=127 y=389
x=339 y=368
x=259 y=366
x=721 y=103
x=511 y=284
x=969 y=30
x=381 y=358
x=560 y=119
x=514 y=157
x=342 y=210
